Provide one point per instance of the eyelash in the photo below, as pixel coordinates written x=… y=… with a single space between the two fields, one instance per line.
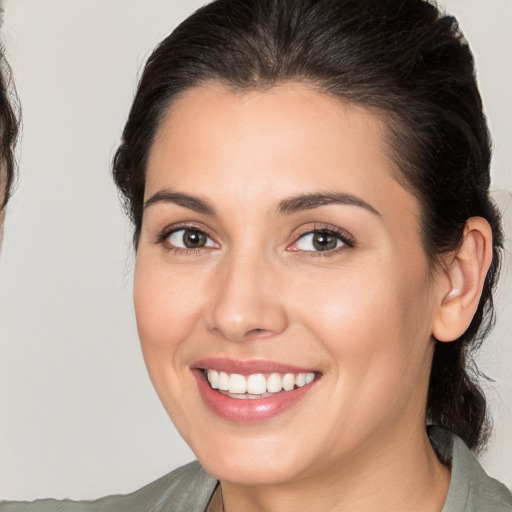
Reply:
x=161 y=239
x=340 y=234
x=347 y=239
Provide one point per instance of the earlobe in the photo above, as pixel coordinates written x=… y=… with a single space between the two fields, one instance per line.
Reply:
x=463 y=277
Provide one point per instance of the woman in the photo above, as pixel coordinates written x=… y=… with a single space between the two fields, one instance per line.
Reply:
x=316 y=253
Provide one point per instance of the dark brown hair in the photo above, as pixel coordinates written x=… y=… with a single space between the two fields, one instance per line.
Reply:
x=9 y=125
x=400 y=58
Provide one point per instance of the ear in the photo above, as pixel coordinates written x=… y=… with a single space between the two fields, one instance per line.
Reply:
x=462 y=280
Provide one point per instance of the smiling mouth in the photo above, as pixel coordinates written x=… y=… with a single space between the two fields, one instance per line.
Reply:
x=258 y=385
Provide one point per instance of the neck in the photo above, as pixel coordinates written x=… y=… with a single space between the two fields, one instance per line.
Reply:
x=403 y=475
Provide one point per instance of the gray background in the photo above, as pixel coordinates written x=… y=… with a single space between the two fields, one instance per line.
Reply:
x=78 y=415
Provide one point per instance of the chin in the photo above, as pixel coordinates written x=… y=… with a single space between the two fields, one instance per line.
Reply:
x=252 y=460
x=250 y=469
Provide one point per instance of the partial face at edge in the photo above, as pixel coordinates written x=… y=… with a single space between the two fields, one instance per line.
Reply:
x=277 y=241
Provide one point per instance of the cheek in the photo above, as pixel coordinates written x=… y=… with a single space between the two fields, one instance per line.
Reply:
x=374 y=323
x=167 y=306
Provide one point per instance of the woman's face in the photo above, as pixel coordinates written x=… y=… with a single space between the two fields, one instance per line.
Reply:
x=276 y=248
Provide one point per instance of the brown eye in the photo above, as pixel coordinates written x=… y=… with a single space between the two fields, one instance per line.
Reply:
x=319 y=241
x=324 y=242
x=193 y=239
x=190 y=239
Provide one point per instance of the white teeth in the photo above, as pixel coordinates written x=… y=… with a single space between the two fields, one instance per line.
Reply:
x=256 y=384
x=223 y=383
x=300 y=380
x=253 y=386
x=213 y=378
x=289 y=382
x=274 y=383
x=237 y=383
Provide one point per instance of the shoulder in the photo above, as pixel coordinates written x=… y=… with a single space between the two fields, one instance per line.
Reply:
x=186 y=489
x=471 y=489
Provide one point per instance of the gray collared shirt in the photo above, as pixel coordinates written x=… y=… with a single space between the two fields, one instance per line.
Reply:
x=190 y=488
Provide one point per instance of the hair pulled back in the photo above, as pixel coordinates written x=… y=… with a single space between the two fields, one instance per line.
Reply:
x=400 y=58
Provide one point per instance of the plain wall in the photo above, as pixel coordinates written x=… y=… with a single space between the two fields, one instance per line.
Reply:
x=78 y=415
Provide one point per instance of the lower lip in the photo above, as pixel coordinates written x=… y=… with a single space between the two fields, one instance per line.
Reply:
x=248 y=410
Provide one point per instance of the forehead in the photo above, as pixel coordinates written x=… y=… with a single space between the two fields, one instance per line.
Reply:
x=278 y=140
x=290 y=115
x=296 y=102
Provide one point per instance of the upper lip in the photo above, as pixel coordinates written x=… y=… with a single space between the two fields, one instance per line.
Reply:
x=248 y=366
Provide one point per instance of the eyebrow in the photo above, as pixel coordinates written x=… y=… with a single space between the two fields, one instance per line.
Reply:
x=185 y=200
x=286 y=206
x=310 y=201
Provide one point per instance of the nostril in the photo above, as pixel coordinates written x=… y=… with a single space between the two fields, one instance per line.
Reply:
x=257 y=333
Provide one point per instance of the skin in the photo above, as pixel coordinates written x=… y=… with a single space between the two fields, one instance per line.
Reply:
x=363 y=316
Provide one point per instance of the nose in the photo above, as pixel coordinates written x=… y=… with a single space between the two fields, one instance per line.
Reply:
x=246 y=303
